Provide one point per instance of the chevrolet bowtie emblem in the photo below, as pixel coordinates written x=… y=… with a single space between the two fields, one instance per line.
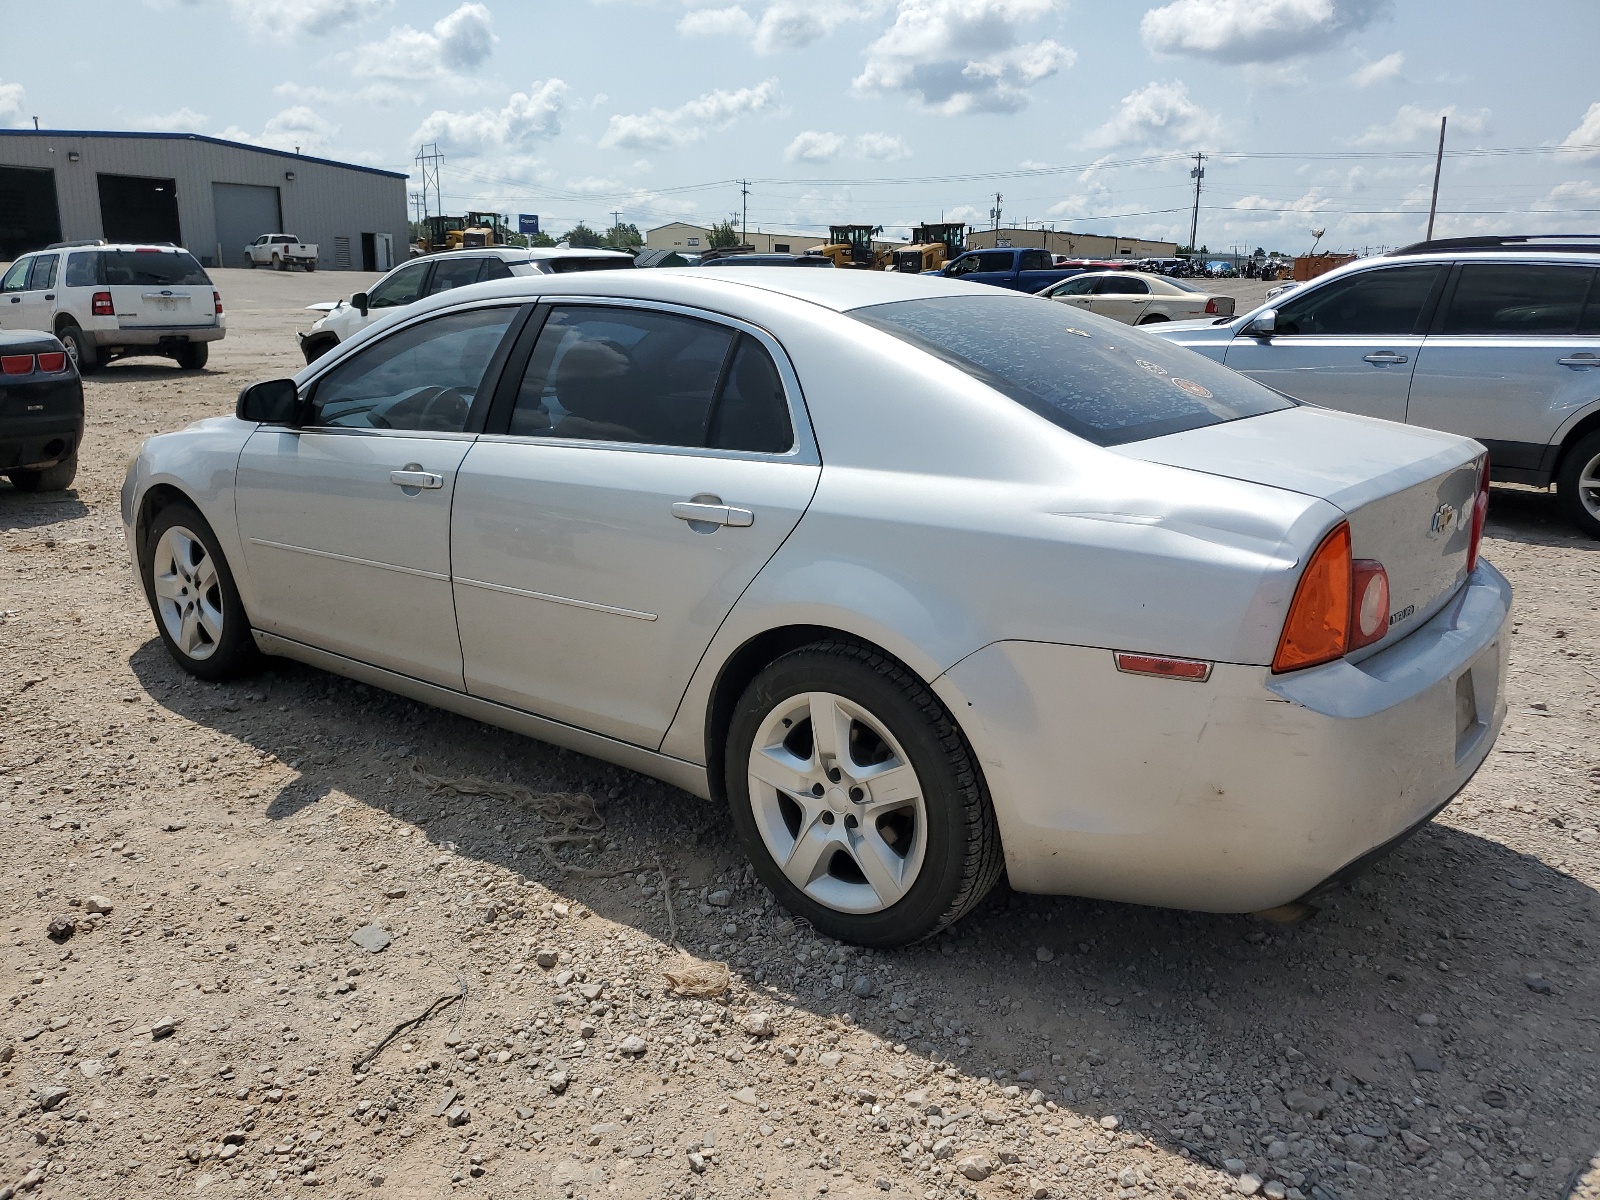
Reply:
x=1444 y=520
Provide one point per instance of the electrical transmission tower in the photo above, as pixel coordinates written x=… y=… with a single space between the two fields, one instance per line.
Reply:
x=429 y=160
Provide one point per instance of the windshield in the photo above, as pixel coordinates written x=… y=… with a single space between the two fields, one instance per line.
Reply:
x=1096 y=378
x=150 y=267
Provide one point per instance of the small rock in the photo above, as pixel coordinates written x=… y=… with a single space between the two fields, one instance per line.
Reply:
x=558 y=1081
x=976 y=1167
x=632 y=1045
x=1415 y=1142
x=547 y=958
x=97 y=904
x=1247 y=1185
x=61 y=928
x=1110 y=1122
x=7 y=1052
x=758 y=1024
x=174 y=826
x=1519 y=884
x=864 y=987
x=944 y=1148
x=1300 y=1102
x=747 y=1095
x=51 y=1097
x=394 y=893
x=1427 y=1019
x=1234 y=1166
x=446 y=1102
x=165 y=1027
x=697 y=1162
x=1044 y=954
x=1273 y=1190
x=371 y=938
x=720 y=898
x=1425 y=1060
x=457 y=1116
x=376 y=1178
x=1538 y=983
x=829 y=1059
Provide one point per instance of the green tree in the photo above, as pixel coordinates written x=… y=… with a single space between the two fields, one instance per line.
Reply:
x=624 y=237
x=540 y=239
x=724 y=233
x=581 y=236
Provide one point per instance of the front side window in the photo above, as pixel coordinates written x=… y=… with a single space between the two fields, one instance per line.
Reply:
x=1109 y=384
x=424 y=377
x=16 y=279
x=1081 y=286
x=1385 y=303
x=1514 y=298
x=453 y=273
x=401 y=288
x=151 y=268
x=963 y=266
x=43 y=275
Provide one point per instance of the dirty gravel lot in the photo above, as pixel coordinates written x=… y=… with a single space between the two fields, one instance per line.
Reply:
x=1432 y=1032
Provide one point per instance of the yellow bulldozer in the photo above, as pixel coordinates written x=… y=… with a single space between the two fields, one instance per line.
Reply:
x=850 y=246
x=474 y=231
x=931 y=247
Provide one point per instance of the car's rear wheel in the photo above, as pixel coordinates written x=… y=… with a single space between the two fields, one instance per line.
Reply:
x=310 y=267
x=277 y=263
x=1578 y=485
x=1153 y=319
x=191 y=591
x=78 y=348
x=193 y=355
x=857 y=797
x=47 y=479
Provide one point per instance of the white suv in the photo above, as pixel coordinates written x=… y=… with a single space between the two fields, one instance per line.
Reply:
x=435 y=273
x=112 y=301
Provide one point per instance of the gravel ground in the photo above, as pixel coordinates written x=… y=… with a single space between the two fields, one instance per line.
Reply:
x=203 y=1021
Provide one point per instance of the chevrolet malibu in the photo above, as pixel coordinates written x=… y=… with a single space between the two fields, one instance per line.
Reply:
x=922 y=580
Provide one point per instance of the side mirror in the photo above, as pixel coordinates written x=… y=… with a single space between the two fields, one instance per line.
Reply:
x=273 y=402
x=359 y=301
x=1264 y=324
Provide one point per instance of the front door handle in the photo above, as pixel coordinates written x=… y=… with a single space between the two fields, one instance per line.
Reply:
x=49 y=295
x=1384 y=357
x=1583 y=359
x=16 y=299
x=413 y=478
x=713 y=514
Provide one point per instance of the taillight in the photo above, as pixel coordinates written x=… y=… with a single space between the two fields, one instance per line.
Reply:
x=52 y=363
x=216 y=298
x=1211 y=305
x=1480 y=513
x=1318 y=628
x=100 y=305
x=1369 y=591
x=17 y=364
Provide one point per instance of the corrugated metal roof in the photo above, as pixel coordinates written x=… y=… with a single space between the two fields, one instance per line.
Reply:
x=196 y=137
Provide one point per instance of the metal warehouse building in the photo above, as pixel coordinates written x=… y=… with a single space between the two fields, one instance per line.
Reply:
x=206 y=194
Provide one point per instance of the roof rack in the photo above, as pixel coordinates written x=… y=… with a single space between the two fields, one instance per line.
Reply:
x=79 y=242
x=1546 y=242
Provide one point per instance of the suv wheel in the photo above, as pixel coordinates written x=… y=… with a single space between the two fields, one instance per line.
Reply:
x=78 y=348
x=857 y=798
x=1578 y=485
x=193 y=355
x=192 y=593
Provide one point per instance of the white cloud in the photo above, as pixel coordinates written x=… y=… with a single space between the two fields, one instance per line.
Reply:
x=811 y=146
x=281 y=20
x=881 y=147
x=1412 y=123
x=691 y=122
x=1586 y=134
x=1386 y=68
x=525 y=118
x=1158 y=114
x=783 y=24
x=713 y=22
x=1574 y=193
x=183 y=120
x=13 y=98
x=1254 y=30
x=459 y=42
x=957 y=56
x=300 y=126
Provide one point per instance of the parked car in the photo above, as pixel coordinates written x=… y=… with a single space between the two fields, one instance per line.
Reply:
x=115 y=301
x=41 y=411
x=702 y=524
x=1282 y=289
x=1024 y=270
x=1497 y=339
x=281 y=251
x=434 y=273
x=1136 y=298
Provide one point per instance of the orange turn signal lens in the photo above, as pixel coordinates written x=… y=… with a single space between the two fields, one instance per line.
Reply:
x=1165 y=668
x=1318 y=628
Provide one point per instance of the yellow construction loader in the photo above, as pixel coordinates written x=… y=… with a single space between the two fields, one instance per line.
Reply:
x=851 y=246
x=931 y=247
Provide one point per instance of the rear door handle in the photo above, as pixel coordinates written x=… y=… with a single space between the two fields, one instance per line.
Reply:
x=416 y=479
x=1579 y=360
x=713 y=514
x=1384 y=357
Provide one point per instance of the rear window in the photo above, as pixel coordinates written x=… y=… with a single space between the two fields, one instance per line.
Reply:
x=561 y=266
x=1099 y=379
x=148 y=268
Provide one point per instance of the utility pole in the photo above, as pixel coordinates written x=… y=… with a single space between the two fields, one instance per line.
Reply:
x=1438 y=162
x=744 y=214
x=994 y=213
x=616 y=217
x=429 y=160
x=1196 y=173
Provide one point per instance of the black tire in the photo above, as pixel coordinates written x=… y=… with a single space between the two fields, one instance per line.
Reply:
x=1153 y=319
x=310 y=267
x=961 y=848
x=233 y=652
x=48 y=479
x=192 y=356
x=79 y=348
x=278 y=264
x=1580 y=462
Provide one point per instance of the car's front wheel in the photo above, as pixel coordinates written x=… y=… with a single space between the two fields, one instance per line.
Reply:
x=192 y=593
x=1578 y=485
x=857 y=797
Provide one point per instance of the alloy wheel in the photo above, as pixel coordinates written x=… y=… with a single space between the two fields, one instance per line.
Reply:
x=837 y=803
x=1589 y=486
x=188 y=593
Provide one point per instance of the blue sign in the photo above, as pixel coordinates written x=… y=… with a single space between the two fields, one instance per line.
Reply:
x=527 y=222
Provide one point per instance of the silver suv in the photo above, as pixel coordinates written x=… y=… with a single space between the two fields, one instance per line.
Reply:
x=1496 y=338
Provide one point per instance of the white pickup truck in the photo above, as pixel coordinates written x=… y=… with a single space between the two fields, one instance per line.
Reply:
x=281 y=251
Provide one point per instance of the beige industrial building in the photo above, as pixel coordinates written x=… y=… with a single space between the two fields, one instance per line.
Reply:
x=1074 y=245
x=696 y=239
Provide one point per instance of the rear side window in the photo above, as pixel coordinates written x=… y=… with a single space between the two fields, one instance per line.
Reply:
x=451 y=273
x=1000 y=260
x=83 y=269
x=494 y=268
x=151 y=268
x=1117 y=285
x=750 y=412
x=1382 y=302
x=1101 y=380
x=1037 y=260
x=560 y=266
x=1512 y=298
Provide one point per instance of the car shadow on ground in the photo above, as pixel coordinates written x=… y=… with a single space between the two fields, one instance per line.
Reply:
x=145 y=370
x=1533 y=516
x=1213 y=1036
x=38 y=510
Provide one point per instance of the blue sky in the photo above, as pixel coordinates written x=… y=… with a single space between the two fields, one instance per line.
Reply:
x=1319 y=113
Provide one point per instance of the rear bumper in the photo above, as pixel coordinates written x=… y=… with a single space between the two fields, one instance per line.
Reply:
x=1241 y=793
x=156 y=335
x=39 y=442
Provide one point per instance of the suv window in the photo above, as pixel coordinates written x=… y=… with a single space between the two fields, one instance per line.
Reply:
x=1037 y=260
x=1384 y=302
x=147 y=268
x=996 y=260
x=400 y=288
x=1118 y=285
x=622 y=375
x=1510 y=298
x=43 y=275
x=83 y=269
x=453 y=273
x=424 y=377
x=1107 y=388
x=16 y=279
x=600 y=262
x=494 y=268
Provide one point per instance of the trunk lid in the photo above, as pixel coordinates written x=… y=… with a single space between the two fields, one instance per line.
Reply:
x=157 y=286
x=1407 y=492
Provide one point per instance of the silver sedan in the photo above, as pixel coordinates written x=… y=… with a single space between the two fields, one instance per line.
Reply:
x=921 y=580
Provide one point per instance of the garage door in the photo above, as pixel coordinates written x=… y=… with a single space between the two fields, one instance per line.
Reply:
x=244 y=212
x=139 y=208
x=29 y=217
